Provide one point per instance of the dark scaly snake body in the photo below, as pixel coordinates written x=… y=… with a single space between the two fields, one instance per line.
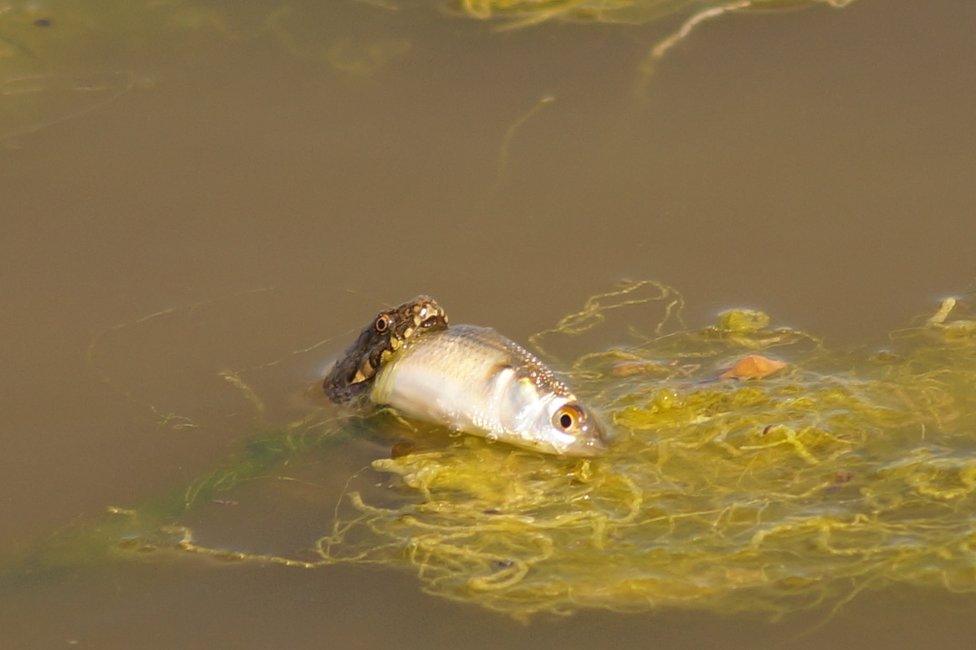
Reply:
x=353 y=373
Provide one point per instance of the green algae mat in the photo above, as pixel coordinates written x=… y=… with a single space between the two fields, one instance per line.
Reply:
x=793 y=484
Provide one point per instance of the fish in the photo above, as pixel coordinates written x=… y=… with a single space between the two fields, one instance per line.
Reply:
x=474 y=380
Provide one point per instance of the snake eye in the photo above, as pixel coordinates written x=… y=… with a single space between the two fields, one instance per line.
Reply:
x=382 y=323
x=568 y=417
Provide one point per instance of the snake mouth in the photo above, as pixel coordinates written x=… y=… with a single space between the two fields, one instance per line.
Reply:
x=431 y=321
x=390 y=331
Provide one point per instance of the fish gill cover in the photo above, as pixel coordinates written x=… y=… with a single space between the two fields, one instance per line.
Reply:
x=802 y=478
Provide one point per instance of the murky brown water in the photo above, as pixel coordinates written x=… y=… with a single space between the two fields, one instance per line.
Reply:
x=289 y=180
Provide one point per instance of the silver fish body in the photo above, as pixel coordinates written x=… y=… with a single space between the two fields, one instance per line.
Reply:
x=475 y=380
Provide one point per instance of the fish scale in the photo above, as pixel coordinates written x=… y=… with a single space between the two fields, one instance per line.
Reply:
x=473 y=379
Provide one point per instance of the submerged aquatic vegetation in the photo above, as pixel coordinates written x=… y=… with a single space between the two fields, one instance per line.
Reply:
x=49 y=51
x=523 y=13
x=836 y=474
x=518 y=14
x=64 y=59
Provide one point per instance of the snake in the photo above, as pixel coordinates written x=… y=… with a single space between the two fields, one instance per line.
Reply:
x=388 y=332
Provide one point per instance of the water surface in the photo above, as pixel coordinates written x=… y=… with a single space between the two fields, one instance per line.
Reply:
x=274 y=177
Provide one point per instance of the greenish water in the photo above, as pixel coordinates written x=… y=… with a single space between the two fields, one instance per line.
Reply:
x=204 y=201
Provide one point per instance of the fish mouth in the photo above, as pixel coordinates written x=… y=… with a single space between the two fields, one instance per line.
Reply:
x=594 y=441
x=586 y=449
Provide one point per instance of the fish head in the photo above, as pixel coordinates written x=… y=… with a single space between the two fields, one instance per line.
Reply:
x=565 y=427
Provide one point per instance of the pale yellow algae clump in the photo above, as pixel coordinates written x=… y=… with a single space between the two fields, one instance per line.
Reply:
x=837 y=474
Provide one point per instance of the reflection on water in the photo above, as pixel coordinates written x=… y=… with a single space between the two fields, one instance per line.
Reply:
x=202 y=201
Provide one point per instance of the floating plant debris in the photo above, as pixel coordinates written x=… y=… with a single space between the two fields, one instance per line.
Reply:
x=799 y=490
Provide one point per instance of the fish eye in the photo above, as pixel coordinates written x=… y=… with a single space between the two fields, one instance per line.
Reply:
x=568 y=417
x=382 y=323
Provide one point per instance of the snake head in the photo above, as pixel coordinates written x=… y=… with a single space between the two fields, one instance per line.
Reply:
x=389 y=331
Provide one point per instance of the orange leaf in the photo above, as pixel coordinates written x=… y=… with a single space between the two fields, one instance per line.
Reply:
x=753 y=366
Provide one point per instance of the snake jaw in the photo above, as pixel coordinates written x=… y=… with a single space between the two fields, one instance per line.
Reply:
x=387 y=333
